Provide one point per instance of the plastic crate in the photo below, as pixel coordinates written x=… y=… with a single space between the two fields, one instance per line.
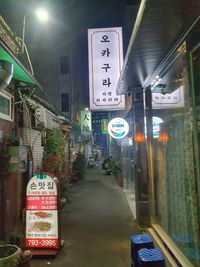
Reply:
x=138 y=242
x=150 y=258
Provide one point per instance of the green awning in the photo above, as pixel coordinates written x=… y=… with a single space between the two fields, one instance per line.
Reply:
x=20 y=73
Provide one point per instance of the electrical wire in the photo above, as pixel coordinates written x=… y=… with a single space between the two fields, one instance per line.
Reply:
x=28 y=57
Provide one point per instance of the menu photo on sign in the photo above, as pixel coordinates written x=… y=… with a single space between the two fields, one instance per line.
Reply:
x=41 y=212
x=105 y=50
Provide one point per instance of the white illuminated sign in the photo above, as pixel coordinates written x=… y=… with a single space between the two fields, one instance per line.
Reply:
x=105 y=63
x=156 y=126
x=86 y=122
x=42 y=212
x=118 y=128
x=168 y=101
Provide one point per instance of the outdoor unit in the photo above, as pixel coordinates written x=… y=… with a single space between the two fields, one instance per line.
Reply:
x=40 y=117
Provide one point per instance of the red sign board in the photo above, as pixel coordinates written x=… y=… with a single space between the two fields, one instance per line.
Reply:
x=41 y=212
x=41 y=203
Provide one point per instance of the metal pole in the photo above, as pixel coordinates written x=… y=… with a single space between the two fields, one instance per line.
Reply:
x=23 y=32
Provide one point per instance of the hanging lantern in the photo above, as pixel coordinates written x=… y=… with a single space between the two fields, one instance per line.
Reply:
x=163 y=137
x=139 y=137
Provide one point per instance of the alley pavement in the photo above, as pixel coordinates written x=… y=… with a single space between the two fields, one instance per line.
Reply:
x=96 y=225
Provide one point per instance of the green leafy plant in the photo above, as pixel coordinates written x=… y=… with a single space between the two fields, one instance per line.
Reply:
x=54 y=152
x=63 y=188
x=78 y=166
x=115 y=167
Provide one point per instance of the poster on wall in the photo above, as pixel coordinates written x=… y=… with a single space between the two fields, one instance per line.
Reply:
x=41 y=212
x=105 y=52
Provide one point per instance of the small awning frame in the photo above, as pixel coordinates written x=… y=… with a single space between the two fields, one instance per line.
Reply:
x=159 y=27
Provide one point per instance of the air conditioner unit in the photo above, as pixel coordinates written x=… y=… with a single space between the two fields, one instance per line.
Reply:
x=40 y=117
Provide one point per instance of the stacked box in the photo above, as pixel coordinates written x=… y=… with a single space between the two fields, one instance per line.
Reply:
x=150 y=258
x=138 y=242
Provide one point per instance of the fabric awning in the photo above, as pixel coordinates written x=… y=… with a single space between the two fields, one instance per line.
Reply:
x=20 y=73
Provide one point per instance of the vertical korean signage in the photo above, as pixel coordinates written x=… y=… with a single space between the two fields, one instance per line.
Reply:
x=105 y=63
x=86 y=122
x=41 y=212
x=104 y=126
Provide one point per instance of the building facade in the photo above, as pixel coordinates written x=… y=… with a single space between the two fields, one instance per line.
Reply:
x=163 y=65
x=26 y=117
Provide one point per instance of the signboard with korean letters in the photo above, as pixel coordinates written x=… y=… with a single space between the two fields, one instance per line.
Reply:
x=105 y=63
x=86 y=122
x=41 y=212
x=168 y=101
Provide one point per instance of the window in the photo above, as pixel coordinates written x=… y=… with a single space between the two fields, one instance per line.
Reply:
x=176 y=194
x=64 y=65
x=5 y=106
x=64 y=102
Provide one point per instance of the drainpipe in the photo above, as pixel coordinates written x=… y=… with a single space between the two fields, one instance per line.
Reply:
x=6 y=73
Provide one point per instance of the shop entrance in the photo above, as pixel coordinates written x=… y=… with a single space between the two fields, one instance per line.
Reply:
x=195 y=79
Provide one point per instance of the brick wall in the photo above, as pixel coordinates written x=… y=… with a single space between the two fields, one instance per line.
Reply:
x=6 y=127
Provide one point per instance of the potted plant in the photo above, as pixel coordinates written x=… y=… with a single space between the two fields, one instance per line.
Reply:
x=54 y=152
x=63 y=191
x=78 y=167
x=116 y=170
x=9 y=255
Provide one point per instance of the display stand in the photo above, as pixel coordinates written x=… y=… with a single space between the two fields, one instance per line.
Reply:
x=43 y=215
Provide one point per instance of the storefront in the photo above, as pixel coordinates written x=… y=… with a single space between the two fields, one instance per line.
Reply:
x=174 y=177
x=167 y=70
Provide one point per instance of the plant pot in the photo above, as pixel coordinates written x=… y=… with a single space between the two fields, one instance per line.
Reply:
x=74 y=178
x=24 y=264
x=9 y=255
x=25 y=258
x=120 y=182
x=63 y=202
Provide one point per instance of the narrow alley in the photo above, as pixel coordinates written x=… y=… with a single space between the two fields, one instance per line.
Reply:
x=96 y=225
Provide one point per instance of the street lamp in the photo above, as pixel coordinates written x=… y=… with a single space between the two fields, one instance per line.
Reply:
x=41 y=14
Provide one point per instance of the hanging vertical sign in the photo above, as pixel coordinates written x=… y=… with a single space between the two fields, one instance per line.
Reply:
x=105 y=63
x=86 y=122
x=104 y=126
x=42 y=212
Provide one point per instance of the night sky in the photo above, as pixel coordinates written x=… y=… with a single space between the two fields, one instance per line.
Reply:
x=69 y=18
x=69 y=21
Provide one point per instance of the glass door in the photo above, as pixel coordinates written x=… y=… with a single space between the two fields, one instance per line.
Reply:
x=195 y=80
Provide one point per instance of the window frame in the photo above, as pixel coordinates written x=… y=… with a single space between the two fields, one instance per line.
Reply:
x=62 y=102
x=64 y=65
x=10 y=98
